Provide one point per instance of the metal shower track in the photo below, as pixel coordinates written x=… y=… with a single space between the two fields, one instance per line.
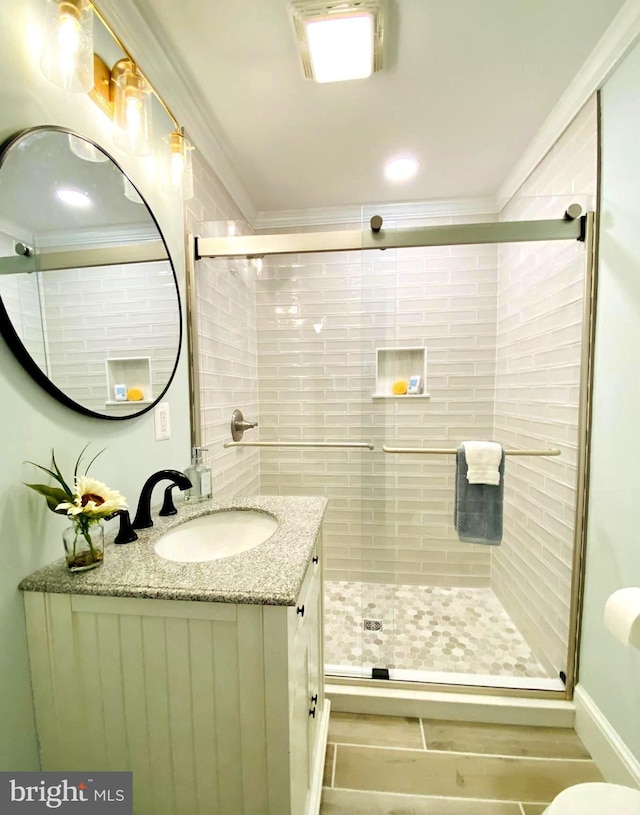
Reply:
x=570 y=227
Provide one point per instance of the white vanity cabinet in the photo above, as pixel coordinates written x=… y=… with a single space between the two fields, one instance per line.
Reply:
x=216 y=708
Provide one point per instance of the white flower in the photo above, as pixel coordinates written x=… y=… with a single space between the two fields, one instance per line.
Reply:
x=93 y=499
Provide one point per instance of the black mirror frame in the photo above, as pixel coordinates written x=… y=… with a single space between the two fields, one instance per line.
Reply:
x=11 y=336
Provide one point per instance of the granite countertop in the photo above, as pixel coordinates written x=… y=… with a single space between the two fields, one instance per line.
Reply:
x=270 y=574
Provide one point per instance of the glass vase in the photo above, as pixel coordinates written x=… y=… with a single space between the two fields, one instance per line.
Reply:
x=83 y=546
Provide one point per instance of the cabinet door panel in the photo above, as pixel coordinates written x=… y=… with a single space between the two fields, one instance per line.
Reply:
x=300 y=748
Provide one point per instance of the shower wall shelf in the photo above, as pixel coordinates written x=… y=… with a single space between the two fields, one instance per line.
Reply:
x=132 y=372
x=393 y=364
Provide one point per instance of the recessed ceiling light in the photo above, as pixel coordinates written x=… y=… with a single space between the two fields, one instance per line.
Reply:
x=400 y=169
x=339 y=40
x=73 y=198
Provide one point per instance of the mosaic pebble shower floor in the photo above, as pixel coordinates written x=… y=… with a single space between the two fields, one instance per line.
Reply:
x=424 y=628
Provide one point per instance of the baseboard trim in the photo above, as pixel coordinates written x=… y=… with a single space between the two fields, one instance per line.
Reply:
x=614 y=759
x=463 y=707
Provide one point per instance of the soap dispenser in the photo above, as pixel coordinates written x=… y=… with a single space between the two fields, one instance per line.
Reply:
x=200 y=476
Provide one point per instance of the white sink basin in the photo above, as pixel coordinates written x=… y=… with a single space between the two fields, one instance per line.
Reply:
x=215 y=536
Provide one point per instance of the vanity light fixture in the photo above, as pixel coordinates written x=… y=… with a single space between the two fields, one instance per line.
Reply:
x=179 y=169
x=66 y=58
x=339 y=40
x=122 y=92
x=131 y=109
x=125 y=95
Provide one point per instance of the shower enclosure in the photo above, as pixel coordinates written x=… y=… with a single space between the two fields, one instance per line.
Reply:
x=493 y=321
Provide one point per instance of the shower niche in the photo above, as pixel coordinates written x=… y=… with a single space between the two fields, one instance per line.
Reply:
x=400 y=365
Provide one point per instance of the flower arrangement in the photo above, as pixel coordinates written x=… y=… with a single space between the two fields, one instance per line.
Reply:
x=89 y=502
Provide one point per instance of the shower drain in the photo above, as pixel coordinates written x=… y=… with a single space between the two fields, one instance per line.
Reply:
x=373 y=625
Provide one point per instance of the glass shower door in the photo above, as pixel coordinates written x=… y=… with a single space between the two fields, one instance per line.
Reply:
x=316 y=325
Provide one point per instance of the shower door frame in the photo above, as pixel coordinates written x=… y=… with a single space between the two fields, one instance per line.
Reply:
x=573 y=226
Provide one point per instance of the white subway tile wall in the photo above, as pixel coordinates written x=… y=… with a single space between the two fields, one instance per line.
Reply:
x=226 y=326
x=320 y=320
x=540 y=300
x=123 y=311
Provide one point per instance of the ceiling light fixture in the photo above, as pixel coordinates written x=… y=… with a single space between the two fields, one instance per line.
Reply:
x=339 y=40
x=66 y=58
x=73 y=198
x=401 y=169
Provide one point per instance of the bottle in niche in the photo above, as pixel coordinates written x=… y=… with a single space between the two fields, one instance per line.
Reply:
x=200 y=476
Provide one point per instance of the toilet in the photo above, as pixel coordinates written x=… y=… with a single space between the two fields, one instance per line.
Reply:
x=596 y=798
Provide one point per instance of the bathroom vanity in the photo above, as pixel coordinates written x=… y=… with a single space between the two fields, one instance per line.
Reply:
x=203 y=679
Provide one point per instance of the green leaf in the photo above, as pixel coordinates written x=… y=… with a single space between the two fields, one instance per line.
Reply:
x=60 y=477
x=52 y=474
x=94 y=458
x=53 y=496
x=75 y=469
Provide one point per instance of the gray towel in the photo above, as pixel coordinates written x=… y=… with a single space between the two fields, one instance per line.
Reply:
x=478 y=507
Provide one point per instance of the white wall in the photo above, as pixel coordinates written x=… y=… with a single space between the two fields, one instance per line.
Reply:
x=609 y=672
x=31 y=422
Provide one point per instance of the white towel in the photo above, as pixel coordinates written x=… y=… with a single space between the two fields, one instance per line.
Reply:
x=483 y=460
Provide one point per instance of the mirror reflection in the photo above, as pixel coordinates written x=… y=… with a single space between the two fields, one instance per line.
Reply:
x=89 y=297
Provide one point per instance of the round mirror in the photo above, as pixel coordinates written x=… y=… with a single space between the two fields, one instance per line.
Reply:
x=89 y=300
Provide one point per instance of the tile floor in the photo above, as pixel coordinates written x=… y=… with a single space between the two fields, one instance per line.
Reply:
x=387 y=765
x=424 y=628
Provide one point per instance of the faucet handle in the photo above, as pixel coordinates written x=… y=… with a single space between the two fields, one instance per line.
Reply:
x=126 y=533
x=239 y=425
x=168 y=507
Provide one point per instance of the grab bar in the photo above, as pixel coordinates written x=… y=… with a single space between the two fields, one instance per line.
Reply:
x=452 y=452
x=341 y=444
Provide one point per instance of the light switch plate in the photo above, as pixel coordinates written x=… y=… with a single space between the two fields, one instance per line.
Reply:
x=162 y=422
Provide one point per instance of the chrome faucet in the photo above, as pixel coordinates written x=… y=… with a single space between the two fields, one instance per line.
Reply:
x=143 y=513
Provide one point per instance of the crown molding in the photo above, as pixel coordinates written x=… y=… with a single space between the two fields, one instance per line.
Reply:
x=98 y=237
x=324 y=216
x=617 y=40
x=147 y=46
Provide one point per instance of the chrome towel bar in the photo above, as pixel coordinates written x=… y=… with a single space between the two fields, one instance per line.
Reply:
x=450 y=451
x=338 y=444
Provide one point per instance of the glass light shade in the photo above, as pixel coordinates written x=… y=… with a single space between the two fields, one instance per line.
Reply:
x=66 y=58
x=341 y=47
x=131 y=192
x=85 y=150
x=132 y=113
x=178 y=171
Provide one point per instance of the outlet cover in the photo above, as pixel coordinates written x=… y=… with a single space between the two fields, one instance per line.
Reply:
x=162 y=422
